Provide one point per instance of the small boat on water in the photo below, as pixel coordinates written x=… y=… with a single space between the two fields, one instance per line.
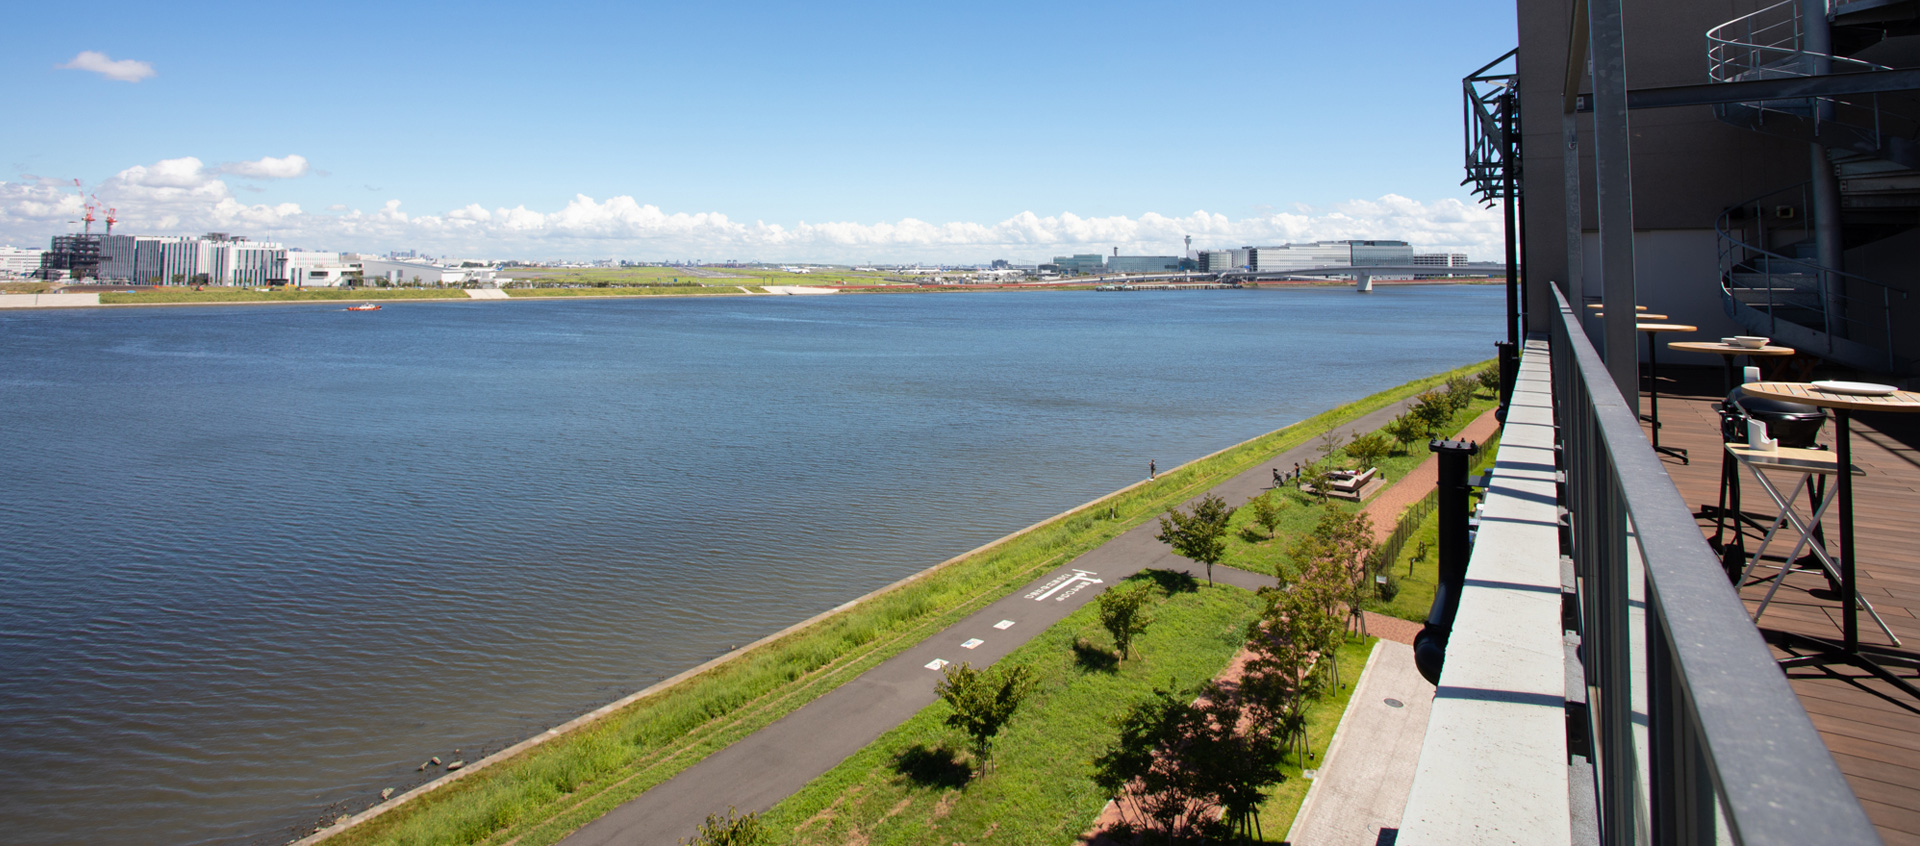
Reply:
x=364 y=307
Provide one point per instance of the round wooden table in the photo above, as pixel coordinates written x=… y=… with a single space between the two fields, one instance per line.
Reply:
x=1653 y=381
x=1727 y=352
x=1644 y=315
x=1604 y=305
x=1850 y=650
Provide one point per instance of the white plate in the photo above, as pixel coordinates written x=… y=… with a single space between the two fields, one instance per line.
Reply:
x=1863 y=389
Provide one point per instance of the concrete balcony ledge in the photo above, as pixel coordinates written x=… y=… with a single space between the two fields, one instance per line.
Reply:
x=1494 y=766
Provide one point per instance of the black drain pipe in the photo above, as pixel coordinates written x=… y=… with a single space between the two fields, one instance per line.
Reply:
x=1430 y=646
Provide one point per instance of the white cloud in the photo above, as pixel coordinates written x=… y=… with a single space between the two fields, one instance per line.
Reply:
x=183 y=196
x=268 y=167
x=125 y=70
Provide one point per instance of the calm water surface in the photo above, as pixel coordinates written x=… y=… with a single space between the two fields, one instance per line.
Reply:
x=259 y=562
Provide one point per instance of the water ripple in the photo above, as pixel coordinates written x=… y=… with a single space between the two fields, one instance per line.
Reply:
x=265 y=560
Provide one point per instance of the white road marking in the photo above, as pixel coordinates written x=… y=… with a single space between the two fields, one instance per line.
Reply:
x=1003 y=624
x=937 y=664
x=1077 y=580
x=971 y=643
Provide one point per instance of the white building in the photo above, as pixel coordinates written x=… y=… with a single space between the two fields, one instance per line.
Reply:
x=1439 y=260
x=1301 y=256
x=215 y=259
x=15 y=261
x=309 y=269
x=414 y=272
x=249 y=263
x=186 y=261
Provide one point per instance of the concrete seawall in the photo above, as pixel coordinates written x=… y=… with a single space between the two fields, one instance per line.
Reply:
x=49 y=300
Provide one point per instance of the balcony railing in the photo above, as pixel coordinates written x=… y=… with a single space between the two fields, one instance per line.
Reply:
x=1696 y=736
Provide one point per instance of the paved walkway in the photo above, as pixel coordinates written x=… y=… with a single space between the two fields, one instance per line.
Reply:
x=1359 y=794
x=773 y=763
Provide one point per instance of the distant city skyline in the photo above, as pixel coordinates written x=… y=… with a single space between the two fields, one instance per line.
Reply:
x=849 y=134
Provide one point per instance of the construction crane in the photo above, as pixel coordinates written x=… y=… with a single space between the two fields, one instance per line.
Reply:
x=87 y=201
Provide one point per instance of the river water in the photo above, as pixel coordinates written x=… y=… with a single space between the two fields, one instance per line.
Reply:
x=261 y=561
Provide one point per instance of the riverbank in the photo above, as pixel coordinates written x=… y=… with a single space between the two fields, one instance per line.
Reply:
x=622 y=749
x=223 y=295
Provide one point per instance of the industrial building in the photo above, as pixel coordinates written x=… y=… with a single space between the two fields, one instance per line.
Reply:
x=1081 y=263
x=1380 y=253
x=1144 y=264
x=1219 y=261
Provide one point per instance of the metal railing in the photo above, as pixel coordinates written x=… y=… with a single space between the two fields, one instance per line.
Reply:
x=1849 y=306
x=1733 y=756
x=1770 y=44
x=1404 y=529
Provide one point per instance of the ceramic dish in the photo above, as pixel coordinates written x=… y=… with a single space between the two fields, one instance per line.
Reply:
x=1752 y=342
x=1859 y=389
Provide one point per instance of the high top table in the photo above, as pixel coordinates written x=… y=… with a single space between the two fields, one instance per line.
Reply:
x=1728 y=351
x=1849 y=650
x=1653 y=381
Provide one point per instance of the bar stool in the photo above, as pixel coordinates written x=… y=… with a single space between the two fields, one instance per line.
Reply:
x=1807 y=464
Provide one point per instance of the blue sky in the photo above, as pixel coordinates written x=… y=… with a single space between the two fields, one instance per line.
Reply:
x=834 y=132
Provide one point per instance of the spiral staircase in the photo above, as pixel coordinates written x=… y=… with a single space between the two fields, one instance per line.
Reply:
x=1777 y=277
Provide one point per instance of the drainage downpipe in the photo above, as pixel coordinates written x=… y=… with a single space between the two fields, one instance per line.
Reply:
x=1430 y=646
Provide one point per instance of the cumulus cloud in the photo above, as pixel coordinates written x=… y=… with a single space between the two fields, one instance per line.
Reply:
x=268 y=167
x=125 y=70
x=184 y=196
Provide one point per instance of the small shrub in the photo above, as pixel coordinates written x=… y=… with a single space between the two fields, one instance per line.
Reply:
x=1124 y=613
x=731 y=830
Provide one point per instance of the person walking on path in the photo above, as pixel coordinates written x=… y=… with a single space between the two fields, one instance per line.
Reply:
x=1152 y=471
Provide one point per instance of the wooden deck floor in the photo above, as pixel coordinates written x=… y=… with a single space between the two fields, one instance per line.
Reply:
x=1872 y=728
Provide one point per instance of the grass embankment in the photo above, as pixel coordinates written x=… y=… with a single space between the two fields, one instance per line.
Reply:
x=906 y=786
x=631 y=276
x=630 y=291
x=1250 y=548
x=913 y=786
x=227 y=295
x=576 y=777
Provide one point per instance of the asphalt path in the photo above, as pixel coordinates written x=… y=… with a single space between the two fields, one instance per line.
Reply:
x=773 y=763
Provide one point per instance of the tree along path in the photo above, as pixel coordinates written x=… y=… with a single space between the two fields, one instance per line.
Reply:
x=759 y=770
x=1384 y=509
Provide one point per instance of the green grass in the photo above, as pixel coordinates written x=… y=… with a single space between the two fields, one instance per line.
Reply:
x=631 y=276
x=228 y=294
x=912 y=786
x=1250 y=548
x=1323 y=717
x=540 y=795
x=625 y=291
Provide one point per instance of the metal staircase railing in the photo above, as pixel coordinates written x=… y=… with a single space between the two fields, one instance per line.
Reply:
x=1764 y=286
x=1770 y=44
